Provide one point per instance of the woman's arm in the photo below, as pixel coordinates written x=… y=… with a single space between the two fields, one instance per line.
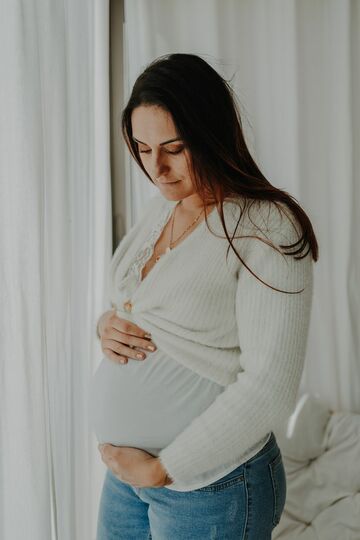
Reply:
x=273 y=329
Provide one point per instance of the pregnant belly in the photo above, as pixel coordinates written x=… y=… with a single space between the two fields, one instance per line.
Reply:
x=145 y=404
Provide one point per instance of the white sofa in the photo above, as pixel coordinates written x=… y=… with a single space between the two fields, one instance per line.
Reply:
x=321 y=454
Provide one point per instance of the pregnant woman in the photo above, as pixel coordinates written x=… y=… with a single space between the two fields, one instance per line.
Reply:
x=217 y=276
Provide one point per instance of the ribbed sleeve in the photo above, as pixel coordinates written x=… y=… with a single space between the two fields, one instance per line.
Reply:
x=272 y=329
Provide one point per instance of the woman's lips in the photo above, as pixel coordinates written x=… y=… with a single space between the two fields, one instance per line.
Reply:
x=167 y=183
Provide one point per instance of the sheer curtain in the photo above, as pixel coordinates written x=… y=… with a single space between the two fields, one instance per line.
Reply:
x=295 y=68
x=55 y=234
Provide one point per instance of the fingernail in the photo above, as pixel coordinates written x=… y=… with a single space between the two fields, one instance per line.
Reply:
x=147 y=335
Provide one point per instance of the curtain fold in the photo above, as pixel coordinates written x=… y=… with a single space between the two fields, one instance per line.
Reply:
x=55 y=234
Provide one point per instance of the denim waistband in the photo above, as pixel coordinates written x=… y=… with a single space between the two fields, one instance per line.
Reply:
x=271 y=442
x=270 y=445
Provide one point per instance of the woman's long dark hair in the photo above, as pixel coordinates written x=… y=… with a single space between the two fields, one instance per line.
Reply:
x=203 y=109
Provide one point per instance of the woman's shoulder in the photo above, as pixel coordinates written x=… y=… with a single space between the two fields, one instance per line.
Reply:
x=264 y=218
x=266 y=225
x=149 y=212
x=146 y=215
x=155 y=203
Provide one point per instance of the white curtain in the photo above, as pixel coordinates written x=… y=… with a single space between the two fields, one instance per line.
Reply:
x=295 y=68
x=55 y=237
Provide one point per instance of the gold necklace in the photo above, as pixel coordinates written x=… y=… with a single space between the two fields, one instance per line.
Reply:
x=169 y=248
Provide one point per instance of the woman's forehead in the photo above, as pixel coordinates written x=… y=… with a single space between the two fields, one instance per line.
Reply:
x=152 y=124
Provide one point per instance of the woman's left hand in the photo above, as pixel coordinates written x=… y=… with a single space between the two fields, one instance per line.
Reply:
x=134 y=466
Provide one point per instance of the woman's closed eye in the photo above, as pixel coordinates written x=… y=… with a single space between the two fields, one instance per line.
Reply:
x=167 y=151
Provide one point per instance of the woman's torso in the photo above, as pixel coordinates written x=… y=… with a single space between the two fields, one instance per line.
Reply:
x=146 y=404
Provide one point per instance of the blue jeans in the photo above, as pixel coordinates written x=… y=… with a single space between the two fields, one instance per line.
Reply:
x=246 y=504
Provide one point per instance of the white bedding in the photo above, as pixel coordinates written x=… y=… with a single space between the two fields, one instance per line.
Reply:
x=321 y=453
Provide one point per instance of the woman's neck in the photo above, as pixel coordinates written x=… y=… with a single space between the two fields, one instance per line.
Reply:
x=191 y=206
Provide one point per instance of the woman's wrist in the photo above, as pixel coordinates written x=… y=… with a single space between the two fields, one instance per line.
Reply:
x=162 y=472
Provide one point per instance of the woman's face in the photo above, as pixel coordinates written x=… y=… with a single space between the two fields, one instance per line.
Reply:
x=164 y=159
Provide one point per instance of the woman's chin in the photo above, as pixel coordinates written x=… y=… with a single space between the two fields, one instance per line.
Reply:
x=171 y=191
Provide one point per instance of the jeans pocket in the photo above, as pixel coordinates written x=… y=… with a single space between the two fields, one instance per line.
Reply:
x=278 y=480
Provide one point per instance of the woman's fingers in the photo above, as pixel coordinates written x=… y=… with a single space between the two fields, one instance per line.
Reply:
x=122 y=350
x=123 y=336
x=119 y=359
x=133 y=341
x=122 y=339
x=128 y=327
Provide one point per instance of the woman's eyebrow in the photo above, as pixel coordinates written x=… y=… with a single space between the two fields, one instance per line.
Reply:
x=161 y=144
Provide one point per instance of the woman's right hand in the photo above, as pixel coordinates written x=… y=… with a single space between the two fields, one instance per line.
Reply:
x=117 y=334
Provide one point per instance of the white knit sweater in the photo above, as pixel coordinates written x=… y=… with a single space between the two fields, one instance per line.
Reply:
x=217 y=319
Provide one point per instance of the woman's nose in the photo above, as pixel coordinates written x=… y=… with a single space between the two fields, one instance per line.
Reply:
x=159 y=166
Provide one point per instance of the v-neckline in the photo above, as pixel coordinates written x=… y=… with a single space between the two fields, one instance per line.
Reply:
x=161 y=225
